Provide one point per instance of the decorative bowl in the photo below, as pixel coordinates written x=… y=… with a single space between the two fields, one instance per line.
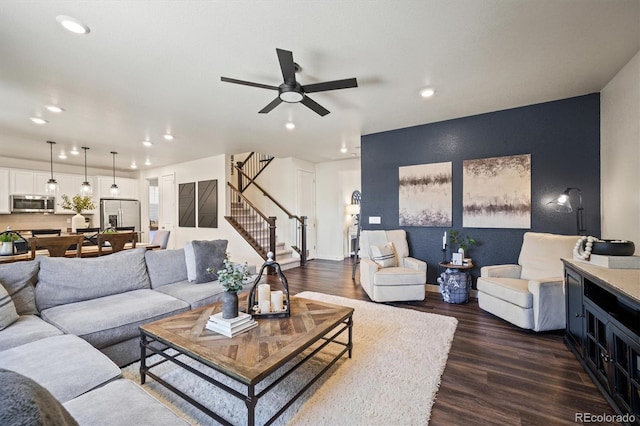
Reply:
x=613 y=248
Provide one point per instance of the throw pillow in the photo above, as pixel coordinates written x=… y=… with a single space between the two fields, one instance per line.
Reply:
x=208 y=254
x=25 y=402
x=384 y=256
x=200 y=255
x=19 y=279
x=8 y=314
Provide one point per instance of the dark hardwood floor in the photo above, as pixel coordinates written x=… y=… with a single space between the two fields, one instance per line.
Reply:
x=496 y=373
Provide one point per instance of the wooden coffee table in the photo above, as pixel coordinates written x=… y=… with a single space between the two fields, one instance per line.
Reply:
x=251 y=357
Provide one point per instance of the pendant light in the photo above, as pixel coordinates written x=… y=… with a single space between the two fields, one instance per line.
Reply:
x=52 y=184
x=85 y=188
x=114 y=188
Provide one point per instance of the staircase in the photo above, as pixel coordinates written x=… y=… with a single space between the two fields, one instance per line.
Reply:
x=254 y=226
x=256 y=231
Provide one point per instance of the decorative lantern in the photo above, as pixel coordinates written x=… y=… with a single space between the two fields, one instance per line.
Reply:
x=269 y=304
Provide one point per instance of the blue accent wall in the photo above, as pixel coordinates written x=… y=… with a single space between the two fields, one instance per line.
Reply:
x=563 y=138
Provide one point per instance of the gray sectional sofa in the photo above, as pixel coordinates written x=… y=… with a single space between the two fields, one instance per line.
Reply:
x=77 y=323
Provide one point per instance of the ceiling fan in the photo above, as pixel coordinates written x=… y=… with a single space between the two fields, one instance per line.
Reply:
x=291 y=91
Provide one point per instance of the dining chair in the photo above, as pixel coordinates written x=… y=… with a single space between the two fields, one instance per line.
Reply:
x=160 y=238
x=90 y=235
x=116 y=241
x=57 y=246
x=125 y=228
x=36 y=232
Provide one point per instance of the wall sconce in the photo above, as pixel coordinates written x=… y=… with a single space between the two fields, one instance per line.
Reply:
x=563 y=205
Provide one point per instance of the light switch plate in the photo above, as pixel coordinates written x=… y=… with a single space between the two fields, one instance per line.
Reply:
x=375 y=220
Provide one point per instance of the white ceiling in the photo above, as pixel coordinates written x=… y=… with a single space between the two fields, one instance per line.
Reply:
x=148 y=67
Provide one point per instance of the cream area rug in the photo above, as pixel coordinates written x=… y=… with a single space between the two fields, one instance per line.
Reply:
x=392 y=379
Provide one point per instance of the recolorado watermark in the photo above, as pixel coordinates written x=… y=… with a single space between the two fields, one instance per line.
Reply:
x=603 y=418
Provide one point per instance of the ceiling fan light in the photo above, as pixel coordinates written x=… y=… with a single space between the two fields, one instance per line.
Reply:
x=291 y=97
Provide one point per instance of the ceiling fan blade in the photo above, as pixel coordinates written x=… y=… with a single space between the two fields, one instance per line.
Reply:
x=330 y=85
x=247 y=83
x=274 y=103
x=311 y=104
x=286 y=65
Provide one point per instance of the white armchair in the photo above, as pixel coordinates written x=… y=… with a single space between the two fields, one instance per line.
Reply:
x=531 y=293
x=403 y=282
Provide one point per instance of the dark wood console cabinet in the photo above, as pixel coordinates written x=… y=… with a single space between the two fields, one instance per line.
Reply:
x=603 y=329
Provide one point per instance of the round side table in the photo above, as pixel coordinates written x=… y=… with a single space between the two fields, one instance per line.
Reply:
x=455 y=282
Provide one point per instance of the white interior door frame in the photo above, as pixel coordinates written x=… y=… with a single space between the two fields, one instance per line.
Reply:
x=167 y=211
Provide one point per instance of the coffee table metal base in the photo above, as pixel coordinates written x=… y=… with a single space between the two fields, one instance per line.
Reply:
x=250 y=398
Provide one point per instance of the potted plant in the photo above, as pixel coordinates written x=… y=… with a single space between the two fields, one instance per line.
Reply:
x=462 y=242
x=7 y=238
x=231 y=277
x=78 y=204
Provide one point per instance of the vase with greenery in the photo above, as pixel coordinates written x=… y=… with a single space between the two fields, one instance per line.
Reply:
x=231 y=278
x=458 y=241
x=78 y=204
x=7 y=239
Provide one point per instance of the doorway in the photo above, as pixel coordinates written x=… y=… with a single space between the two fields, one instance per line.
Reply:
x=306 y=206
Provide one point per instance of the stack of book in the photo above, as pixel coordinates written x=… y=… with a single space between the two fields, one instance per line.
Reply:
x=233 y=326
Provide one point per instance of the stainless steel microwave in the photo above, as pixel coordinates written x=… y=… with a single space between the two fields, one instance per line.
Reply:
x=32 y=204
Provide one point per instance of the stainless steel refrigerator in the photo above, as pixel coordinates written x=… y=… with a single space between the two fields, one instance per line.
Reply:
x=120 y=213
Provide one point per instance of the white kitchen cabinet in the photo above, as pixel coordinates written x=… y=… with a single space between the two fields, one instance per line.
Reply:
x=5 y=208
x=69 y=184
x=127 y=187
x=28 y=182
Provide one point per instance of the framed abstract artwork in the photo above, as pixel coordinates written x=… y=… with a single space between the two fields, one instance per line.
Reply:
x=425 y=195
x=497 y=192
x=208 y=203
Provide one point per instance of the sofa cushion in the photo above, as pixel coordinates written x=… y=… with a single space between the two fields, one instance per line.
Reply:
x=208 y=254
x=19 y=279
x=62 y=281
x=66 y=366
x=541 y=254
x=28 y=328
x=201 y=294
x=8 y=314
x=399 y=276
x=384 y=255
x=112 y=319
x=25 y=402
x=166 y=266
x=512 y=290
x=134 y=406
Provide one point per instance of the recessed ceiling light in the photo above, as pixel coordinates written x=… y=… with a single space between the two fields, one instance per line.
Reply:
x=168 y=136
x=133 y=165
x=428 y=92
x=38 y=120
x=290 y=126
x=147 y=162
x=147 y=143
x=62 y=155
x=74 y=151
x=72 y=24
x=343 y=150
x=54 y=108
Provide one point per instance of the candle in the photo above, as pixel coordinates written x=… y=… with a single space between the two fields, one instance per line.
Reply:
x=276 y=301
x=265 y=307
x=444 y=240
x=264 y=293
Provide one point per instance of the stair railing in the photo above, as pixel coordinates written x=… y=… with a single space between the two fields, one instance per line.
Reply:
x=251 y=168
x=256 y=228
x=300 y=237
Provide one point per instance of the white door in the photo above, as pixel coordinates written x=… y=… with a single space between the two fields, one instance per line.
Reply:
x=306 y=206
x=167 y=210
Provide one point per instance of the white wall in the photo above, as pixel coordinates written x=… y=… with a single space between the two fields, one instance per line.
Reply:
x=620 y=154
x=335 y=181
x=193 y=171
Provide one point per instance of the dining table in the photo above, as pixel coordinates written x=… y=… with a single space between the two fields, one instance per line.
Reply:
x=87 y=251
